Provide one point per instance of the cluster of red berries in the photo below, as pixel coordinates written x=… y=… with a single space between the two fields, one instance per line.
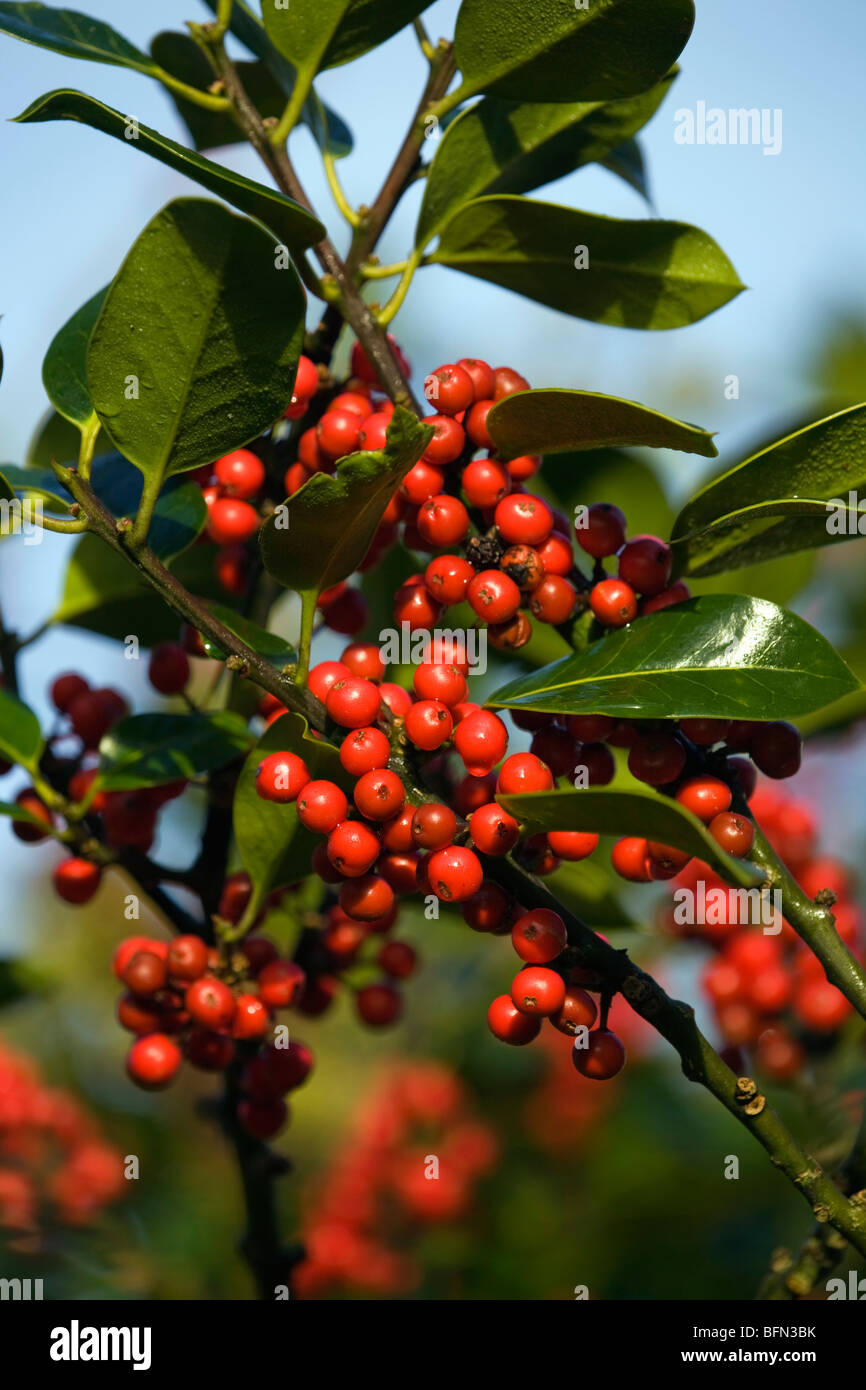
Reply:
x=414 y=1156
x=52 y=1156
x=124 y=818
x=768 y=990
x=182 y=1001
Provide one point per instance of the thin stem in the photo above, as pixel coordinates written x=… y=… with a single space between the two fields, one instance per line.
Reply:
x=208 y=100
x=308 y=618
x=89 y=431
x=223 y=19
x=64 y=528
x=370 y=271
x=394 y=304
x=149 y=496
x=814 y=924
x=293 y=110
x=337 y=193
x=424 y=40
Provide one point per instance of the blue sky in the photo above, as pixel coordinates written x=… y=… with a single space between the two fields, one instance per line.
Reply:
x=791 y=223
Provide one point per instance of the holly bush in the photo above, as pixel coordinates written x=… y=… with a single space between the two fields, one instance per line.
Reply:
x=234 y=422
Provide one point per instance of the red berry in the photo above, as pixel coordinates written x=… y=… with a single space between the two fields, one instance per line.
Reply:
x=127 y=948
x=539 y=936
x=447 y=578
x=353 y=848
x=210 y=1002
x=281 y=777
x=146 y=973
x=324 y=675
x=589 y=727
x=734 y=833
x=523 y=519
x=600 y=530
x=446 y=446
x=485 y=482
x=704 y=732
x=645 y=563
x=415 y=606
x=241 y=473
x=209 y=1051
x=363 y=368
x=366 y=898
x=428 y=724
x=523 y=564
x=613 y=602
x=677 y=593
x=168 y=670
x=398 y=959
x=450 y=389
x=537 y=990
x=776 y=748
x=524 y=772
x=337 y=432
x=493 y=831
x=139 y=1015
x=556 y=555
x=65 y=689
x=363 y=750
x=572 y=844
x=187 y=957
x=553 y=601
x=322 y=805
x=578 y=1011
x=443 y=520
x=657 y=759
x=263 y=1118
x=379 y=795
x=364 y=659
x=705 y=797
x=509 y=1025
x=476 y=424
x=251 y=1019
x=422 y=481
x=437 y=682
x=602 y=1058
x=231 y=521
x=76 y=880
x=378 y=1005
x=434 y=826
x=280 y=984
x=481 y=739
x=493 y=596
x=374 y=431
x=483 y=381
x=306 y=379
x=629 y=857
x=555 y=747
x=353 y=702
x=92 y=714
x=356 y=401
x=821 y=1006
x=454 y=873
x=488 y=910
x=347 y=614
x=153 y=1061
x=506 y=381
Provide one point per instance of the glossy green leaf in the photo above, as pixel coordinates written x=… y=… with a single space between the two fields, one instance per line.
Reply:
x=203 y=320
x=73 y=34
x=64 y=371
x=7 y=493
x=511 y=147
x=587 y=889
x=54 y=438
x=180 y=55
x=294 y=226
x=317 y=34
x=324 y=530
x=37 y=482
x=553 y=50
x=274 y=649
x=721 y=656
x=628 y=163
x=273 y=845
x=20 y=735
x=149 y=750
x=634 y=274
x=555 y=421
x=609 y=811
x=776 y=501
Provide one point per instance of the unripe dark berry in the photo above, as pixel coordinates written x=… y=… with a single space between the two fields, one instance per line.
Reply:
x=600 y=530
x=645 y=562
x=168 y=669
x=602 y=1058
x=76 y=880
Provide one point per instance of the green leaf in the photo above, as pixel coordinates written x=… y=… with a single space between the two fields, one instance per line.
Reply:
x=554 y=421
x=317 y=34
x=148 y=750
x=635 y=274
x=20 y=735
x=274 y=649
x=331 y=520
x=511 y=147
x=64 y=371
x=6 y=492
x=551 y=50
x=180 y=513
x=273 y=845
x=628 y=163
x=266 y=83
x=73 y=34
x=55 y=438
x=19 y=979
x=587 y=889
x=775 y=502
x=296 y=227
x=721 y=656
x=610 y=811
x=37 y=482
x=201 y=317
